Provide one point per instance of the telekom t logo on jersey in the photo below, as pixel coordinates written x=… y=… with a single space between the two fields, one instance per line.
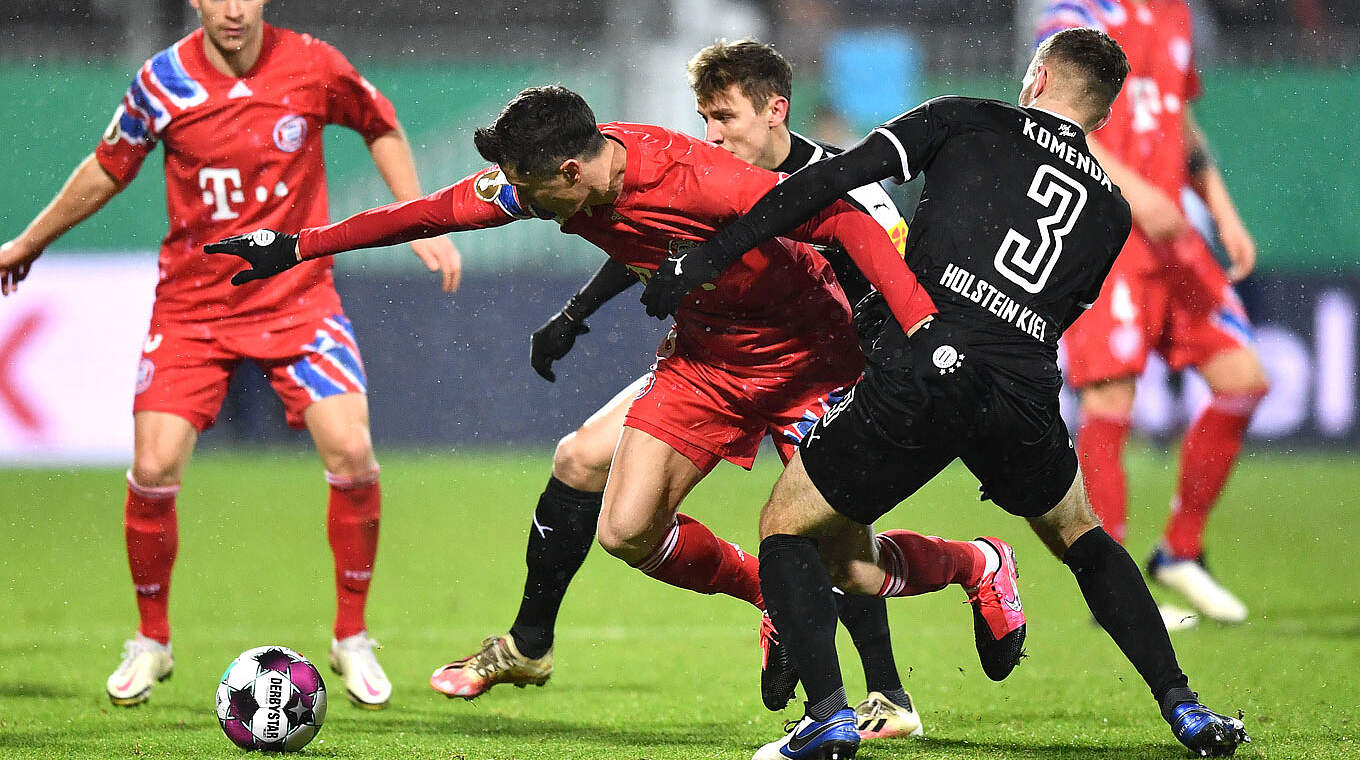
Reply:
x=222 y=188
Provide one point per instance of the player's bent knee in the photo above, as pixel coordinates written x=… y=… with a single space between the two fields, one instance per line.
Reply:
x=351 y=457
x=1109 y=398
x=621 y=540
x=578 y=464
x=154 y=469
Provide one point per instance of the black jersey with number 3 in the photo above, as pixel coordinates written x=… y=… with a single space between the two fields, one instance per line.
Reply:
x=1017 y=227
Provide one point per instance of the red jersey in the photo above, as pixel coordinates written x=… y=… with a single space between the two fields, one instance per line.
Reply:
x=677 y=191
x=1147 y=128
x=240 y=154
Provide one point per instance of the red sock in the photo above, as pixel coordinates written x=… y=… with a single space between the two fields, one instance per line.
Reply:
x=1207 y=456
x=691 y=557
x=352 y=527
x=1100 y=449
x=152 y=542
x=917 y=564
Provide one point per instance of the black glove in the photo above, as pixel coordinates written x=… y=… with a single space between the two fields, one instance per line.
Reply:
x=677 y=276
x=268 y=252
x=936 y=350
x=552 y=341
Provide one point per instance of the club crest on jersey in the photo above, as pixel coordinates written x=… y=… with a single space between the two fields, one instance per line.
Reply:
x=146 y=370
x=946 y=359
x=290 y=132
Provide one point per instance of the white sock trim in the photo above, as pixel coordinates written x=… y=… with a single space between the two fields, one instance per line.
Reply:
x=663 y=552
x=992 y=556
x=151 y=492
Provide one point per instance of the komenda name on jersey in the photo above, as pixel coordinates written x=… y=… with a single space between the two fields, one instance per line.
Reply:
x=1070 y=154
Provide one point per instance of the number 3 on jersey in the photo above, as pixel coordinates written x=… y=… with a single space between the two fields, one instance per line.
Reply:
x=1015 y=260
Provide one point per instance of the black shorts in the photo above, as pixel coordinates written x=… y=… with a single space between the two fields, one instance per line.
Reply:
x=891 y=435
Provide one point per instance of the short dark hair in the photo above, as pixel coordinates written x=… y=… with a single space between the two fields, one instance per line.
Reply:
x=756 y=68
x=1096 y=57
x=539 y=129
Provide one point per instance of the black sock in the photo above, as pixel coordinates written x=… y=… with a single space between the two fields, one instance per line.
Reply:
x=1120 y=601
x=560 y=536
x=866 y=618
x=799 y=599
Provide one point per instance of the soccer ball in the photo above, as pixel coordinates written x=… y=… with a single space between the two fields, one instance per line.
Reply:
x=271 y=698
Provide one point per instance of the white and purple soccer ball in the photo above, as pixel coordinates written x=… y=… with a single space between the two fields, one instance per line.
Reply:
x=271 y=698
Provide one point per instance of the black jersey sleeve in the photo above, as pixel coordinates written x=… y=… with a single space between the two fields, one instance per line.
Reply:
x=916 y=136
x=612 y=279
x=799 y=197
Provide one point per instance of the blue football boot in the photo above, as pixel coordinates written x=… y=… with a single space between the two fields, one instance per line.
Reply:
x=1205 y=732
x=833 y=739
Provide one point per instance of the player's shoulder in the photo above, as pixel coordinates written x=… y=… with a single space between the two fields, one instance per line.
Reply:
x=656 y=136
x=295 y=44
x=805 y=151
x=963 y=113
x=663 y=147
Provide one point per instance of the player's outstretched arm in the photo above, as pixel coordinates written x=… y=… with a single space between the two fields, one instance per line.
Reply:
x=556 y=337
x=85 y=192
x=458 y=207
x=1206 y=180
x=392 y=156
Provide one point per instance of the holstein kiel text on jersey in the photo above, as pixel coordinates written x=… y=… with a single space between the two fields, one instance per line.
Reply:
x=984 y=294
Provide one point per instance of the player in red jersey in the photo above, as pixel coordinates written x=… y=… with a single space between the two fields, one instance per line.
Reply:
x=728 y=81
x=1166 y=293
x=240 y=106
x=754 y=349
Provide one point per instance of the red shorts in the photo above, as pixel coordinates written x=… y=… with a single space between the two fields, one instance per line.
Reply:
x=1184 y=310
x=185 y=369
x=710 y=412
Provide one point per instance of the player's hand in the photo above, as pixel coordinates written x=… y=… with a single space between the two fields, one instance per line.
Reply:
x=938 y=350
x=16 y=259
x=552 y=341
x=677 y=276
x=439 y=254
x=1240 y=247
x=1158 y=216
x=268 y=252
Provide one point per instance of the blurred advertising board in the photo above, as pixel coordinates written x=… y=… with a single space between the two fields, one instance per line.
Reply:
x=70 y=340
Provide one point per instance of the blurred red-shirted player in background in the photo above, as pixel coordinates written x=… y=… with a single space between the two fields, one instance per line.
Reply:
x=1166 y=293
x=239 y=106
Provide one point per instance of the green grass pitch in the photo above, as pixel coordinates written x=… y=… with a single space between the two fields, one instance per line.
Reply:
x=645 y=671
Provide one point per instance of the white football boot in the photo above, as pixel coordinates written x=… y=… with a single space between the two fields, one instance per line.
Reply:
x=1177 y=618
x=878 y=717
x=146 y=662
x=353 y=660
x=1190 y=579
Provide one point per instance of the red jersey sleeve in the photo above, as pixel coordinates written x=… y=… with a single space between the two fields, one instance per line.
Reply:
x=475 y=202
x=873 y=251
x=134 y=130
x=352 y=101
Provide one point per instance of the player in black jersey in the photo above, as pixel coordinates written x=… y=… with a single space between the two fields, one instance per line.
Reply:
x=728 y=80
x=1016 y=229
